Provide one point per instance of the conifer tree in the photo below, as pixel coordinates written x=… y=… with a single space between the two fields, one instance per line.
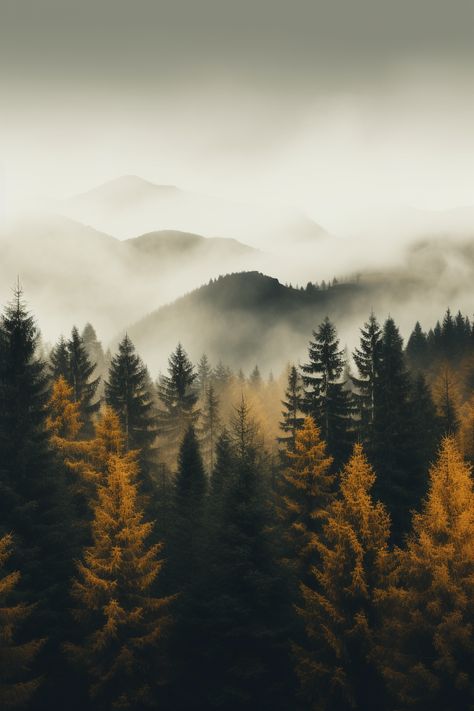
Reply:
x=80 y=378
x=292 y=414
x=121 y=620
x=127 y=391
x=209 y=425
x=59 y=360
x=447 y=398
x=204 y=375
x=309 y=488
x=335 y=665
x=327 y=400
x=426 y=644
x=399 y=479
x=17 y=686
x=466 y=430
x=96 y=355
x=178 y=397
x=417 y=348
x=255 y=379
x=367 y=359
x=248 y=614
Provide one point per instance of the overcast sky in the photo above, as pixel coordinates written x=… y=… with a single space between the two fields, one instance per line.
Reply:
x=332 y=105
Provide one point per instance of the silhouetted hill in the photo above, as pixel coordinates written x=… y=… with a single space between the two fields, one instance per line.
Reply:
x=243 y=318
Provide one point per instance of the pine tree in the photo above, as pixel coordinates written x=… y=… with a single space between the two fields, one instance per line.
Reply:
x=186 y=570
x=335 y=664
x=417 y=348
x=80 y=378
x=247 y=628
x=209 y=425
x=309 y=488
x=367 y=359
x=447 y=398
x=292 y=414
x=59 y=360
x=399 y=479
x=127 y=391
x=426 y=643
x=326 y=398
x=17 y=687
x=96 y=355
x=204 y=375
x=121 y=621
x=178 y=396
x=255 y=379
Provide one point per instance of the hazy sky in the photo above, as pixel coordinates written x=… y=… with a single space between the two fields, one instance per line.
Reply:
x=333 y=105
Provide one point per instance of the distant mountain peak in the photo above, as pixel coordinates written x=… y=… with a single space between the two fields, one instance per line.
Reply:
x=126 y=186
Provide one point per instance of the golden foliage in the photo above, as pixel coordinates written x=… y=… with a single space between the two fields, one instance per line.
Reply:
x=427 y=640
x=122 y=619
x=335 y=667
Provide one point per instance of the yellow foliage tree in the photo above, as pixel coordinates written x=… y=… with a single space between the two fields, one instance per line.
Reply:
x=123 y=622
x=308 y=491
x=427 y=631
x=335 y=667
x=16 y=689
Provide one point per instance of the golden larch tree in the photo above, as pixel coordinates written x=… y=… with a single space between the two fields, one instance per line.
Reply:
x=123 y=622
x=309 y=486
x=447 y=398
x=335 y=666
x=16 y=685
x=427 y=633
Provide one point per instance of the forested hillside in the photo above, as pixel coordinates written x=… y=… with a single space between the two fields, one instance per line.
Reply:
x=213 y=539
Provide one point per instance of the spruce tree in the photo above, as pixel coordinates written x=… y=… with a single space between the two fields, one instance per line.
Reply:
x=247 y=598
x=121 y=622
x=426 y=647
x=178 y=397
x=335 y=664
x=17 y=686
x=127 y=391
x=80 y=378
x=59 y=360
x=96 y=355
x=292 y=414
x=209 y=427
x=399 y=479
x=204 y=375
x=367 y=359
x=327 y=401
x=447 y=398
x=417 y=348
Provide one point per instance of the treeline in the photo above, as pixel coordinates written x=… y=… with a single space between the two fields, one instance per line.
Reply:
x=156 y=552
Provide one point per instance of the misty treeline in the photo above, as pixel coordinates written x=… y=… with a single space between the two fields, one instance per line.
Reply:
x=179 y=545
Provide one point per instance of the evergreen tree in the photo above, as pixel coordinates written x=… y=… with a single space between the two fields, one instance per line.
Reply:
x=204 y=375
x=417 y=348
x=248 y=614
x=178 y=396
x=127 y=391
x=84 y=386
x=121 y=622
x=59 y=360
x=447 y=398
x=96 y=355
x=399 y=480
x=425 y=433
x=367 y=359
x=426 y=643
x=466 y=430
x=336 y=663
x=255 y=379
x=17 y=687
x=292 y=414
x=326 y=398
x=209 y=425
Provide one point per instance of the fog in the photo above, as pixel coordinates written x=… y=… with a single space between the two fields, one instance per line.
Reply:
x=328 y=138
